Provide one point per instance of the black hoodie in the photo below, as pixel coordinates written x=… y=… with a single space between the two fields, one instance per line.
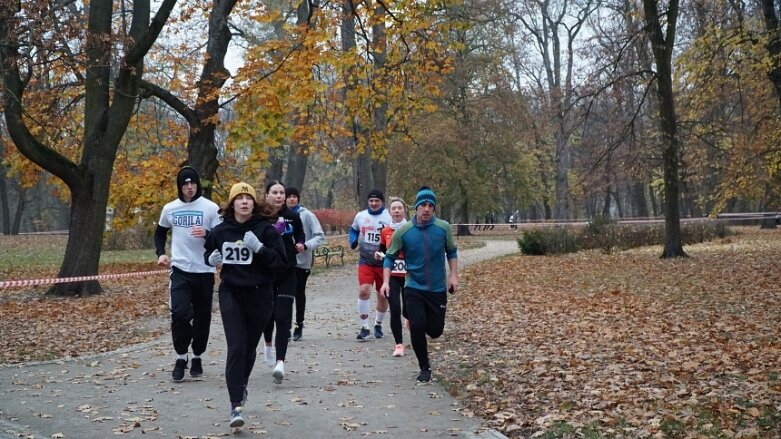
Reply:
x=188 y=174
x=265 y=263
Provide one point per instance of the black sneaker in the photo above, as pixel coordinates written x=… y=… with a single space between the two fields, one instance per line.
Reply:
x=178 y=373
x=196 y=367
x=424 y=377
x=363 y=334
x=378 y=331
x=298 y=332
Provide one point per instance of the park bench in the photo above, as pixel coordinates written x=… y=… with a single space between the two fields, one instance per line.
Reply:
x=328 y=253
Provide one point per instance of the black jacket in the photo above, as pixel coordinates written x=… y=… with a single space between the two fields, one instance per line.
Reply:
x=292 y=232
x=265 y=263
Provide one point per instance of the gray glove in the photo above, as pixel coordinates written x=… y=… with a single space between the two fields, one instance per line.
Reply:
x=252 y=242
x=215 y=258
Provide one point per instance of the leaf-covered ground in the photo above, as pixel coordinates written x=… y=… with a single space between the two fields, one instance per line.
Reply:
x=581 y=345
x=623 y=345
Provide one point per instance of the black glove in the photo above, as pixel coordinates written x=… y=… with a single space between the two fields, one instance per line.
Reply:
x=353 y=245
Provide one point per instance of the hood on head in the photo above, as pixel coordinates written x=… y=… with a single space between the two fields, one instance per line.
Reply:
x=188 y=174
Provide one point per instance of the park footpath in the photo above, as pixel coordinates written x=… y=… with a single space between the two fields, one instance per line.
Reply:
x=335 y=386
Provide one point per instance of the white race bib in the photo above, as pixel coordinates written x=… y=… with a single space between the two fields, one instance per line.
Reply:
x=236 y=254
x=399 y=266
x=371 y=236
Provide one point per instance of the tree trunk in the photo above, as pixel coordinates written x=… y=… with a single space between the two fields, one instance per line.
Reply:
x=662 y=48
x=4 y=208
x=20 y=205
x=109 y=103
x=773 y=44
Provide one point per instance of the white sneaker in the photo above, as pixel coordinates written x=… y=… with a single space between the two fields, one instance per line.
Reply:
x=279 y=372
x=271 y=358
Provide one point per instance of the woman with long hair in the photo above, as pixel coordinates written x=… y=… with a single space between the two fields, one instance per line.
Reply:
x=288 y=225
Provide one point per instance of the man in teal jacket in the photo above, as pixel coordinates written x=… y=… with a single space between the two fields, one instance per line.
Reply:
x=426 y=242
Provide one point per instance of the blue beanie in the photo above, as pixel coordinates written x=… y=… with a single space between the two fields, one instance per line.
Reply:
x=425 y=194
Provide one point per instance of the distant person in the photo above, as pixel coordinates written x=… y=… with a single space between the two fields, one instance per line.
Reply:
x=313 y=233
x=191 y=281
x=365 y=235
x=288 y=225
x=251 y=253
x=398 y=211
x=426 y=242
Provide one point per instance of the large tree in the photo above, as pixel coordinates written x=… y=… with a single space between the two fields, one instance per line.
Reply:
x=662 y=44
x=105 y=59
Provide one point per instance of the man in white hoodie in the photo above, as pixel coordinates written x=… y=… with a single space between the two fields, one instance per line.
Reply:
x=314 y=237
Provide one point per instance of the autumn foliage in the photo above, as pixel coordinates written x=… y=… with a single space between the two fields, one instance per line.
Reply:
x=335 y=220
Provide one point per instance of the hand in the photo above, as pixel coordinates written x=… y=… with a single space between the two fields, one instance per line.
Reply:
x=215 y=258
x=354 y=244
x=379 y=256
x=300 y=248
x=252 y=242
x=198 y=232
x=385 y=290
x=453 y=286
x=163 y=260
x=280 y=226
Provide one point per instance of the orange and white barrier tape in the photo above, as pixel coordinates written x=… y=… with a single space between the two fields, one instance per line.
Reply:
x=62 y=280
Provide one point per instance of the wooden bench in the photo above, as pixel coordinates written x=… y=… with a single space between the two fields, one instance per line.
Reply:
x=328 y=253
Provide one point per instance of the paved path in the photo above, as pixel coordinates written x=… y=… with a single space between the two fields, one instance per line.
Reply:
x=335 y=387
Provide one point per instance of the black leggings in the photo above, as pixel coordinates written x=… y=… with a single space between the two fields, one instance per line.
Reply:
x=284 y=295
x=245 y=312
x=426 y=313
x=302 y=275
x=396 y=301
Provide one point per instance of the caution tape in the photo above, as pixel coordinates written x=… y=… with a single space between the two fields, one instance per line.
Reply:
x=63 y=280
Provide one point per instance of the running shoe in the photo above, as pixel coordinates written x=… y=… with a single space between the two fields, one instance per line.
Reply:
x=398 y=351
x=196 y=367
x=363 y=334
x=424 y=377
x=178 y=373
x=298 y=332
x=236 y=419
x=378 y=331
x=271 y=358
x=279 y=372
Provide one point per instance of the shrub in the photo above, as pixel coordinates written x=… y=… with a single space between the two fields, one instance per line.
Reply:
x=335 y=220
x=607 y=235
x=547 y=241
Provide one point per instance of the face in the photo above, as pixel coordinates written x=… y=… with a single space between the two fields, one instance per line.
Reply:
x=425 y=211
x=396 y=211
x=243 y=205
x=292 y=201
x=188 y=190
x=276 y=196
x=375 y=203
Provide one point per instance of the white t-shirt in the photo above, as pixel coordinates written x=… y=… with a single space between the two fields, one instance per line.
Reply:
x=368 y=227
x=186 y=249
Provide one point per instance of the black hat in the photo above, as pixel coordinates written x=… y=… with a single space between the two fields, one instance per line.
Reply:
x=376 y=193
x=187 y=175
x=290 y=191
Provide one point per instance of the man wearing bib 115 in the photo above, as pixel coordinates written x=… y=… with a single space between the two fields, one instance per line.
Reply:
x=191 y=281
x=365 y=234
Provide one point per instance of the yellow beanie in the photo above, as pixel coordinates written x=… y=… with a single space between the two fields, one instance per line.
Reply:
x=241 y=188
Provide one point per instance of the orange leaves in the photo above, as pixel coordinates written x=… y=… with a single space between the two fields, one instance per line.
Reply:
x=594 y=341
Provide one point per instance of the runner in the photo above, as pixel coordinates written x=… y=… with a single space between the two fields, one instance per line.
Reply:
x=315 y=237
x=191 y=281
x=365 y=232
x=251 y=252
x=288 y=225
x=425 y=241
x=398 y=211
